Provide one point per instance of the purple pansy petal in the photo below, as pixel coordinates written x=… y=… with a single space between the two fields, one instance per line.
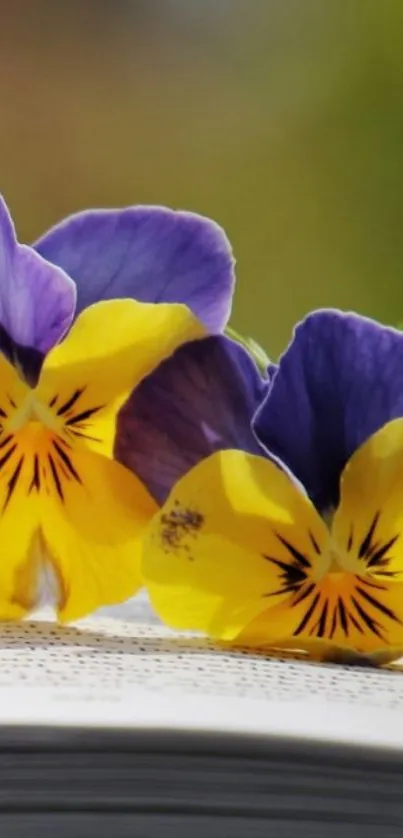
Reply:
x=37 y=302
x=200 y=400
x=152 y=254
x=339 y=381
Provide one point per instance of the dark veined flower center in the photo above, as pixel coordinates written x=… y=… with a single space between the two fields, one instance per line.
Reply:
x=339 y=596
x=37 y=442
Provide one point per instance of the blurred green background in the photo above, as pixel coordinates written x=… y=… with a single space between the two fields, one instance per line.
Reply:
x=281 y=120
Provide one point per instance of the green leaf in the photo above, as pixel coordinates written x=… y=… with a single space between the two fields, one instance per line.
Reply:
x=254 y=349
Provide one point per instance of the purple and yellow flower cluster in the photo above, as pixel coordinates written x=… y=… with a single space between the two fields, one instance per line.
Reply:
x=85 y=315
x=140 y=445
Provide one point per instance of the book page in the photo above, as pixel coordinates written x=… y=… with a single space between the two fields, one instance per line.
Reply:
x=122 y=668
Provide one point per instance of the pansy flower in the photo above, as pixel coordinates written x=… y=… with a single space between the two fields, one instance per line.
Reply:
x=84 y=316
x=302 y=544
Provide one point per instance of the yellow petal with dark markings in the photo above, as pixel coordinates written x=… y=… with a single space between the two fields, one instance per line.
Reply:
x=341 y=609
x=234 y=537
x=19 y=523
x=368 y=525
x=59 y=486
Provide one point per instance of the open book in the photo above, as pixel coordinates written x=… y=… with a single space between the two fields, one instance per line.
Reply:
x=119 y=727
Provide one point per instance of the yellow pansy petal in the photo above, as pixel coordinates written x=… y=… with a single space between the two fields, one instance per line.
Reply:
x=93 y=528
x=19 y=525
x=341 y=610
x=110 y=348
x=368 y=525
x=233 y=537
x=18 y=511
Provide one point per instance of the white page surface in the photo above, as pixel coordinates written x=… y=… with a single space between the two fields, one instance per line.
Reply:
x=139 y=674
